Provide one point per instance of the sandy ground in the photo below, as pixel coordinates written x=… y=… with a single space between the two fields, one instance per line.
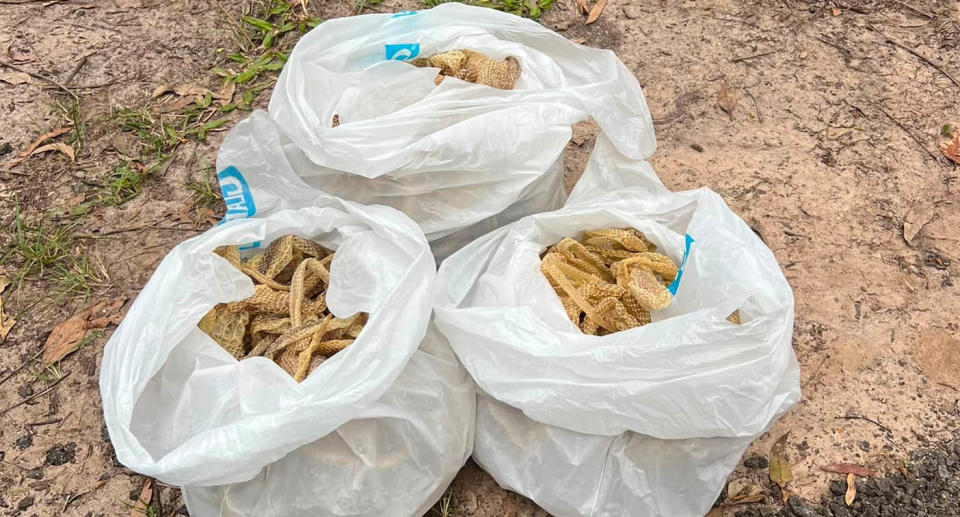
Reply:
x=830 y=153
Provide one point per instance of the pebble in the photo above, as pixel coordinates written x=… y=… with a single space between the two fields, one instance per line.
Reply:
x=25 y=391
x=61 y=454
x=34 y=474
x=25 y=503
x=838 y=487
x=756 y=462
x=5 y=148
x=23 y=442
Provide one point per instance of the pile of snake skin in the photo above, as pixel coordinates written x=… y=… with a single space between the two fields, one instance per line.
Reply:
x=473 y=67
x=286 y=320
x=610 y=280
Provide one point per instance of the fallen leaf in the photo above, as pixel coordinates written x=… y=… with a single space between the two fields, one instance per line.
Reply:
x=835 y=11
x=726 y=99
x=747 y=499
x=582 y=6
x=66 y=336
x=737 y=487
x=848 y=468
x=916 y=219
x=176 y=105
x=226 y=92
x=160 y=90
x=15 y=77
x=6 y=322
x=59 y=146
x=851 y=489
x=596 y=11
x=951 y=149
x=191 y=90
x=43 y=138
x=779 y=462
x=17 y=57
x=146 y=494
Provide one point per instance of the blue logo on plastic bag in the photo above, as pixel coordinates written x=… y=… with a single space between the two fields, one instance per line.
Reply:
x=401 y=51
x=236 y=195
x=402 y=14
x=686 y=253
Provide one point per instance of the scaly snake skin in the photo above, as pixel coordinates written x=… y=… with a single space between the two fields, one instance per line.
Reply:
x=610 y=280
x=286 y=319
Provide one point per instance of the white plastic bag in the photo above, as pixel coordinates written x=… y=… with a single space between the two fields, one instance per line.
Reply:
x=647 y=421
x=460 y=159
x=242 y=437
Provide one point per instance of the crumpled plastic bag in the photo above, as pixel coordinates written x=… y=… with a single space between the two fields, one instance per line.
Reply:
x=242 y=437
x=647 y=421
x=460 y=159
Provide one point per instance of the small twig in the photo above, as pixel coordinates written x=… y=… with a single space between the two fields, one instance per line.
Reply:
x=872 y=421
x=134 y=229
x=5 y=462
x=42 y=393
x=917 y=54
x=909 y=133
x=73 y=73
x=914 y=9
x=755 y=105
x=739 y=59
x=948 y=385
x=22 y=366
x=40 y=76
x=45 y=422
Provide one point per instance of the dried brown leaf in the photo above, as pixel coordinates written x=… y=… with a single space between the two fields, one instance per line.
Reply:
x=726 y=99
x=66 y=336
x=58 y=146
x=160 y=90
x=191 y=90
x=848 y=468
x=582 y=6
x=779 y=462
x=6 y=322
x=951 y=149
x=17 y=57
x=747 y=499
x=596 y=11
x=226 y=92
x=43 y=138
x=851 y=489
x=175 y=105
x=32 y=148
x=146 y=494
x=15 y=77
x=916 y=219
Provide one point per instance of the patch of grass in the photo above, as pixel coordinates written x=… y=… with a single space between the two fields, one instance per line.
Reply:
x=264 y=35
x=525 y=8
x=444 y=507
x=206 y=190
x=122 y=184
x=71 y=111
x=363 y=4
x=49 y=253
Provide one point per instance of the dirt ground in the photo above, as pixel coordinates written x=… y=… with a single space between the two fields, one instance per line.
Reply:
x=828 y=148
